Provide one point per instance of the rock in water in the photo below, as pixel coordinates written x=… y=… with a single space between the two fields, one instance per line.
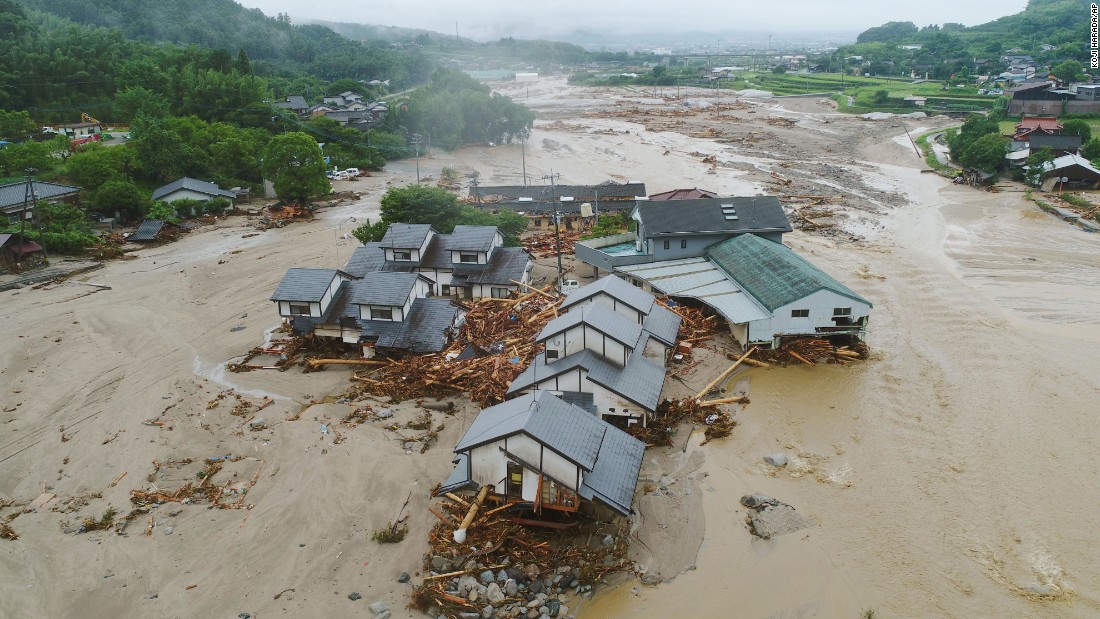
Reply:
x=778 y=460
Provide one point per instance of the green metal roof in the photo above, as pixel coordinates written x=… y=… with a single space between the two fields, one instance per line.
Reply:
x=771 y=272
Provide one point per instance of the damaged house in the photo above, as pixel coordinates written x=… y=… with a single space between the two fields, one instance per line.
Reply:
x=539 y=450
x=606 y=354
x=469 y=263
x=381 y=313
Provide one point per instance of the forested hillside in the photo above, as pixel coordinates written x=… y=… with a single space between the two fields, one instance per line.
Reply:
x=1051 y=31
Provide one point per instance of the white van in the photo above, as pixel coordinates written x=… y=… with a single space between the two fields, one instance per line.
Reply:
x=351 y=172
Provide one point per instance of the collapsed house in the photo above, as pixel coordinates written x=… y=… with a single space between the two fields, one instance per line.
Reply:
x=469 y=263
x=607 y=354
x=381 y=313
x=540 y=451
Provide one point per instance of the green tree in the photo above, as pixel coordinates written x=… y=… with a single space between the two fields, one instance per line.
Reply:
x=164 y=212
x=137 y=100
x=1091 y=150
x=161 y=152
x=987 y=153
x=1076 y=126
x=1035 y=164
x=96 y=164
x=16 y=125
x=123 y=197
x=421 y=204
x=18 y=157
x=779 y=69
x=369 y=232
x=880 y=97
x=1067 y=71
x=294 y=164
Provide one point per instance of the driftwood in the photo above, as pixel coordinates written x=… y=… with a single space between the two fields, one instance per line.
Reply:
x=724 y=375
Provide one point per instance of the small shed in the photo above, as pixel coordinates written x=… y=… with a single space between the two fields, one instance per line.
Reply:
x=15 y=249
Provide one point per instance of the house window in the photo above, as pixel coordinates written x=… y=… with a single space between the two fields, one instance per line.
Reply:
x=611 y=409
x=515 y=481
x=538 y=223
x=381 y=313
x=683 y=244
x=465 y=257
x=445 y=290
x=666 y=244
x=800 y=313
x=402 y=255
x=499 y=293
x=842 y=311
x=551 y=354
x=297 y=309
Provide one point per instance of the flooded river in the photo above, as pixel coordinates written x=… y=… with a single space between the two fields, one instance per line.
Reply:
x=955 y=474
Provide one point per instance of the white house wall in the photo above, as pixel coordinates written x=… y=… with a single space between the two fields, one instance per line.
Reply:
x=821 y=305
x=333 y=287
x=396 y=312
x=612 y=303
x=606 y=400
x=489 y=466
x=456 y=257
x=314 y=309
x=574 y=380
x=580 y=337
x=534 y=453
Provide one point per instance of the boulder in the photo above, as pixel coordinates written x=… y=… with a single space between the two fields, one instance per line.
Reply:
x=777 y=460
x=494 y=594
x=756 y=501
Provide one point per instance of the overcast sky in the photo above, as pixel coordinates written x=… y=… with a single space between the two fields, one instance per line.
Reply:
x=490 y=19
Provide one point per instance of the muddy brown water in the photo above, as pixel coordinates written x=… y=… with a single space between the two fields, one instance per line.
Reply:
x=955 y=474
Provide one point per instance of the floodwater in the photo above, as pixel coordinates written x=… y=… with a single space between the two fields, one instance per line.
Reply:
x=953 y=475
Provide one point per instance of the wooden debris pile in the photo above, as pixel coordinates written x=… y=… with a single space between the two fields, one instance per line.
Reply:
x=813 y=351
x=278 y=216
x=671 y=413
x=8 y=533
x=696 y=326
x=567 y=558
x=287 y=353
x=205 y=490
x=545 y=244
x=495 y=345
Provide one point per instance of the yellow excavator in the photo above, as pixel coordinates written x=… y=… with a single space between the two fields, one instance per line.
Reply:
x=85 y=118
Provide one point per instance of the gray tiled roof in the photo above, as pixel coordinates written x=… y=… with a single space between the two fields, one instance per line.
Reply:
x=640 y=381
x=615 y=477
x=616 y=288
x=471 y=238
x=663 y=324
x=546 y=207
x=568 y=430
x=366 y=259
x=383 y=288
x=505 y=265
x=12 y=194
x=579 y=399
x=191 y=184
x=611 y=458
x=293 y=102
x=304 y=285
x=148 y=231
x=772 y=273
x=425 y=328
x=598 y=317
x=406 y=236
x=580 y=192
x=754 y=214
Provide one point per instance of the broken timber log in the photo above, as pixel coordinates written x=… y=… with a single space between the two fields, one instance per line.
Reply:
x=714 y=383
x=460 y=534
x=317 y=362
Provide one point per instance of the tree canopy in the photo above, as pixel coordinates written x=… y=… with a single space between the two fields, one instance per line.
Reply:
x=294 y=164
x=421 y=204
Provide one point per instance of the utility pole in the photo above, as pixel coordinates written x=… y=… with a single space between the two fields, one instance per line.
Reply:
x=416 y=139
x=29 y=197
x=557 y=220
x=523 y=134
